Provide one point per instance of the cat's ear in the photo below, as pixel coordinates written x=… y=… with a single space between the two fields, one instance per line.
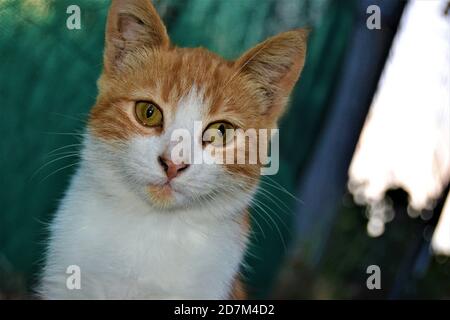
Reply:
x=274 y=66
x=132 y=24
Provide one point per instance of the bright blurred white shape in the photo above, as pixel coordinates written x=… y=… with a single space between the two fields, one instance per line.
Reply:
x=441 y=236
x=405 y=142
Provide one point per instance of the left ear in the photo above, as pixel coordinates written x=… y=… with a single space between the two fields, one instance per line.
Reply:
x=132 y=24
x=273 y=67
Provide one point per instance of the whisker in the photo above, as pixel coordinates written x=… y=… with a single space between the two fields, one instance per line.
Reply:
x=60 y=169
x=73 y=134
x=63 y=153
x=82 y=120
x=271 y=197
x=275 y=224
x=64 y=147
x=276 y=215
x=278 y=186
x=50 y=162
x=274 y=181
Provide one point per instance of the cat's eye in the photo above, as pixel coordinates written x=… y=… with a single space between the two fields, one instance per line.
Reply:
x=218 y=133
x=148 y=114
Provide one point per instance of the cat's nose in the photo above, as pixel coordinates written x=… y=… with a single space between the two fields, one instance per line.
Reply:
x=171 y=169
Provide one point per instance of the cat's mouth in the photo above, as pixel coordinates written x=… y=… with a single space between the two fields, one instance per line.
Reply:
x=169 y=195
x=163 y=190
x=162 y=195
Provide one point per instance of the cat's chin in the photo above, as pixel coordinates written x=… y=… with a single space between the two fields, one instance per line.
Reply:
x=162 y=196
x=166 y=197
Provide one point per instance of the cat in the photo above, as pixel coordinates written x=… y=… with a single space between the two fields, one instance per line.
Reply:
x=136 y=224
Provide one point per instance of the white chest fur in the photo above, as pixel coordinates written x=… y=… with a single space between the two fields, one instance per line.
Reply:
x=126 y=250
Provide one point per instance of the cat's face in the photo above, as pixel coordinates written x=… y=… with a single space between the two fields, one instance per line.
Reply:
x=150 y=92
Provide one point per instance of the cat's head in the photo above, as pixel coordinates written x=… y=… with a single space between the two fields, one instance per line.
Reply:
x=149 y=89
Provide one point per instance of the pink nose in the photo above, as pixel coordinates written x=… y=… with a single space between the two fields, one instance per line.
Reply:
x=171 y=169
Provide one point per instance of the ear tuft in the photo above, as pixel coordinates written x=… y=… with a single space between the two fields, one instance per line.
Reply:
x=274 y=66
x=132 y=24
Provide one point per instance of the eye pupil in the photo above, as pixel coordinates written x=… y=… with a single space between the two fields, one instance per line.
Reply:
x=221 y=129
x=150 y=110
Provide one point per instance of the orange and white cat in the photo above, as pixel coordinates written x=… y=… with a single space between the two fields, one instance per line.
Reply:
x=135 y=223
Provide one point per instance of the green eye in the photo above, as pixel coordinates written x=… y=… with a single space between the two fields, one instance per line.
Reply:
x=218 y=133
x=148 y=114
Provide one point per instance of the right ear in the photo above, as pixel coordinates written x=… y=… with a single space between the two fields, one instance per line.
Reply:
x=132 y=24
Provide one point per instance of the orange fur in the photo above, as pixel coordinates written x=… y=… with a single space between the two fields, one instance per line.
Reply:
x=238 y=291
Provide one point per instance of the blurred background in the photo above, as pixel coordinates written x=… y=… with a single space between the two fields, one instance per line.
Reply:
x=365 y=147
